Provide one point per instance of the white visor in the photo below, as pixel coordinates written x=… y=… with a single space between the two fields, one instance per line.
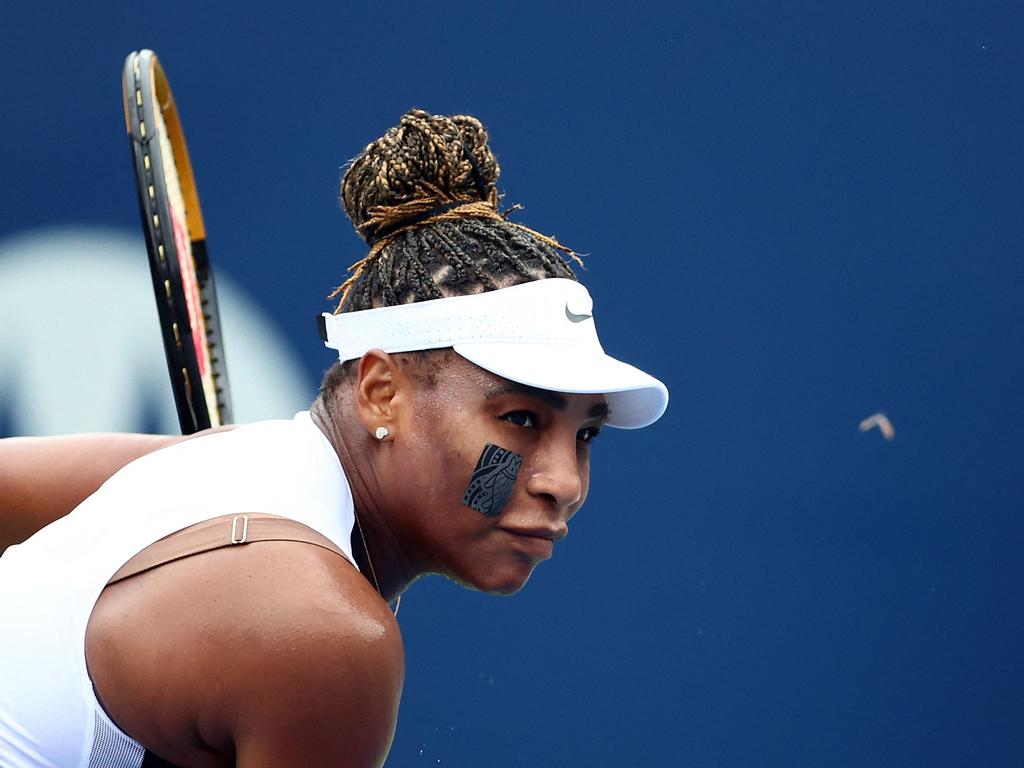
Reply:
x=540 y=334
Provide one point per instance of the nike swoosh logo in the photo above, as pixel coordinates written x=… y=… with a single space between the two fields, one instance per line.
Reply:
x=573 y=317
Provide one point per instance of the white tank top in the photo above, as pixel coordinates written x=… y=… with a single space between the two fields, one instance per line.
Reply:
x=49 y=715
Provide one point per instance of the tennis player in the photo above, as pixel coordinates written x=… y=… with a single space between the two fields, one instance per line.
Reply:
x=227 y=599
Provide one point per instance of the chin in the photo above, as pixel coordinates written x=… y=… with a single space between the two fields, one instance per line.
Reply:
x=506 y=580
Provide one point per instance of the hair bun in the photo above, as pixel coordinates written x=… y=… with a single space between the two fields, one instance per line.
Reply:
x=424 y=157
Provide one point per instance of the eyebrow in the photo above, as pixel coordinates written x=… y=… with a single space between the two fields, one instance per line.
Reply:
x=553 y=399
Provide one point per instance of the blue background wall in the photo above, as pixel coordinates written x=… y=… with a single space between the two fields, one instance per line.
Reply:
x=797 y=214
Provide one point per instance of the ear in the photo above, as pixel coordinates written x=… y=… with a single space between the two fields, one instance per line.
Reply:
x=380 y=391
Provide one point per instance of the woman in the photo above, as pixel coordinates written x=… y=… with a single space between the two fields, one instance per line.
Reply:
x=202 y=609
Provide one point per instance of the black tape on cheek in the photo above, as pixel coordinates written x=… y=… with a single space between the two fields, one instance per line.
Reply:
x=493 y=480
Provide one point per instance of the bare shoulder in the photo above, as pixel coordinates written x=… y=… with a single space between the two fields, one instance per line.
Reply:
x=275 y=653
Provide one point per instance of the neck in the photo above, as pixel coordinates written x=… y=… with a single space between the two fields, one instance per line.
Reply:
x=381 y=558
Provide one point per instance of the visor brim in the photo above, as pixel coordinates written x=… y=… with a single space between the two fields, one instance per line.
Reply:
x=635 y=399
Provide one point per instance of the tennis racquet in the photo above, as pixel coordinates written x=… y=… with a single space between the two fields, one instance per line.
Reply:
x=186 y=298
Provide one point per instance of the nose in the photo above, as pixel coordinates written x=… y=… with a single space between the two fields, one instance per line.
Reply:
x=556 y=475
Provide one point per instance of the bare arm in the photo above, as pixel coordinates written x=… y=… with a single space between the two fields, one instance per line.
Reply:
x=44 y=478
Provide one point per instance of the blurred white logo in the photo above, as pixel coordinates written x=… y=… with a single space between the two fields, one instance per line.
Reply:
x=80 y=347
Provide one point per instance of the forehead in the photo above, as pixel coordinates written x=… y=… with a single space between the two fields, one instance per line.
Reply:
x=470 y=380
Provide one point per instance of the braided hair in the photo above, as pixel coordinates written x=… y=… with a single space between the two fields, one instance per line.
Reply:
x=424 y=198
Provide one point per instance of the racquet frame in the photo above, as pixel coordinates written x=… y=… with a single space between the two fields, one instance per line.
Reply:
x=200 y=403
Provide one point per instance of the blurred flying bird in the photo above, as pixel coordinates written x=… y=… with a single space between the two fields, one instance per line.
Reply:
x=881 y=421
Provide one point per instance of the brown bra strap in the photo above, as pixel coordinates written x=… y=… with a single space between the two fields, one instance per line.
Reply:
x=224 y=531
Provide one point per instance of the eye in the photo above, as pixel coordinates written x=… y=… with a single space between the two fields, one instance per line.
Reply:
x=587 y=435
x=521 y=418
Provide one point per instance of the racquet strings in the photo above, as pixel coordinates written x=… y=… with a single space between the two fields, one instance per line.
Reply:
x=187 y=270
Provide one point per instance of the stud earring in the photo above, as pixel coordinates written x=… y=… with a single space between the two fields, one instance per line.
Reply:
x=381 y=433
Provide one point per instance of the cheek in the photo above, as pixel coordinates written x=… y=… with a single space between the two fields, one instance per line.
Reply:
x=444 y=455
x=493 y=481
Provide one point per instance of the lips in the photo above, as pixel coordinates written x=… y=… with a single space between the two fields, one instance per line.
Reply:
x=534 y=544
x=540 y=532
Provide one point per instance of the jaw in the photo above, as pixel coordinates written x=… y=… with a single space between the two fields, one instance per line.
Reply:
x=503 y=573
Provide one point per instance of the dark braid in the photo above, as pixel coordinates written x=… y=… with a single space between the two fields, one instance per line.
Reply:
x=425 y=197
